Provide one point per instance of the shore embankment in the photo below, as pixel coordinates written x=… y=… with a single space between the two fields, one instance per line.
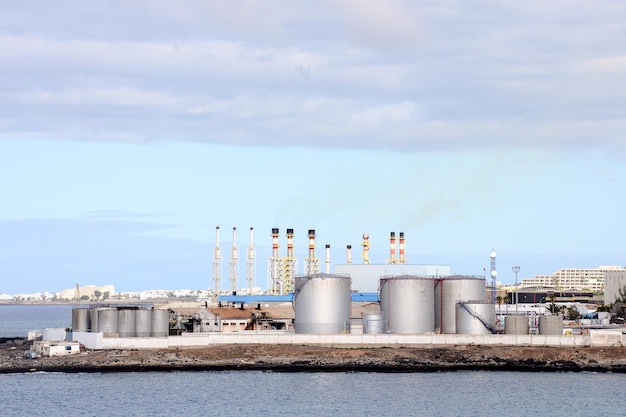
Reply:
x=298 y=358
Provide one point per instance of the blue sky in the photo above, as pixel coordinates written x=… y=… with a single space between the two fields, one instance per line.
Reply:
x=129 y=131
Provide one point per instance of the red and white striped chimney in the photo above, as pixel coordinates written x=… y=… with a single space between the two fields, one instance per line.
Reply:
x=311 y=244
x=290 y=243
x=275 y=243
x=402 y=260
x=392 y=248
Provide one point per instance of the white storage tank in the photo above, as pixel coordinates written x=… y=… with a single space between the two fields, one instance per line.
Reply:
x=475 y=318
x=407 y=304
x=143 y=320
x=108 y=321
x=449 y=291
x=81 y=320
x=374 y=323
x=322 y=304
x=160 y=323
x=516 y=324
x=551 y=325
x=126 y=322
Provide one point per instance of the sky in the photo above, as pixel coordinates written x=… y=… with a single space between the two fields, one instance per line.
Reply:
x=130 y=130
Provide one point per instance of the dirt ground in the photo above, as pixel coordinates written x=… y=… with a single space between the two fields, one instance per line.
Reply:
x=292 y=358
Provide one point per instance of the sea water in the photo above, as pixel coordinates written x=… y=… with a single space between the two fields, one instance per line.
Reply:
x=256 y=393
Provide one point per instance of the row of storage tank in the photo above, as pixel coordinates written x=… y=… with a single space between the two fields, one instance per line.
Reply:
x=125 y=322
x=408 y=305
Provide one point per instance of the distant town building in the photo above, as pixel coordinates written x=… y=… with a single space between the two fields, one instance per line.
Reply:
x=581 y=279
x=615 y=283
x=92 y=292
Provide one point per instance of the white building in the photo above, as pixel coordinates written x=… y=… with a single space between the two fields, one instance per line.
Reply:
x=615 y=282
x=46 y=348
x=582 y=279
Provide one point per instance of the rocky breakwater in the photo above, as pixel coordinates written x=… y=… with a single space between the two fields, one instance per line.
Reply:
x=291 y=358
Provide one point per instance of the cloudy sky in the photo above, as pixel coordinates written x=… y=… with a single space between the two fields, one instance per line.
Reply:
x=129 y=131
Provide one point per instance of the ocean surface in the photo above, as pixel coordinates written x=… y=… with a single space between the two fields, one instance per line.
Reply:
x=256 y=393
x=16 y=320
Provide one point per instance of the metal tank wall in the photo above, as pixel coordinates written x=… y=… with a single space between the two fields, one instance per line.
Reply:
x=374 y=323
x=143 y=323
x=81 y=321
x=107 y=320
x=475 y=318
x=407 y=304
x=516 y=325
x=93 y=316
x=448 y=292
x=160 y=323
x=322 y=304
x=127 y=322
x=551 y=325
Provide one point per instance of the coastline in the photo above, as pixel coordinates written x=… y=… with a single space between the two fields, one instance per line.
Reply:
x=308 y=358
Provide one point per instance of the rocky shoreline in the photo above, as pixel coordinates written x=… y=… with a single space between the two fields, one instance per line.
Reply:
x=292 y=358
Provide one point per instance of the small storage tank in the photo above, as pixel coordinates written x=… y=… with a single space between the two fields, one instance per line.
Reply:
x=126 y=322
x=81 y=321
x=108 y=320
x=551 y=325
x=407 y=304
x=475 y=318
x=516 y=325
x=449 y=291
x=160 y=323
x=322 y=304
x=374 y=323
x=143 y=323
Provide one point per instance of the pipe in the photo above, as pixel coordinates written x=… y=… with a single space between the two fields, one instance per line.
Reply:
x=327 y=259
x=349 y=254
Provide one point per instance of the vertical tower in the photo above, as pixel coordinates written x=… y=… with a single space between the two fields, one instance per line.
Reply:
x=327 y=258
x=402 y=258
x=217 y=265
x=366 y=248
x=349 y=254
x=392 y=248
x=493 y=272
x=312 y=263
x=251 y=264
x=289 y=266
x=274 y=284
x=234 y=262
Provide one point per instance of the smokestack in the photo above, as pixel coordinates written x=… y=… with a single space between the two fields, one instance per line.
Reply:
x=290 y=243
x=311 y=243
x=402 y=260
x=392 y=248
x=275 y=243
x=328 y=259
x=349 y=250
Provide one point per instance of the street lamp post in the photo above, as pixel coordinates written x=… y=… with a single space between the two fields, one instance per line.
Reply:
x=516 y=270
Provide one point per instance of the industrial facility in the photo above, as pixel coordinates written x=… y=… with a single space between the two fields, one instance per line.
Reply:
x=392 y=303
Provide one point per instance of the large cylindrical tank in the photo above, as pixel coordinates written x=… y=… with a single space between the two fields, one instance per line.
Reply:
x=516 y=325
x=322 y=304
x=160 y=323
x=407 y=303
x=126 y=322
x=551 y=325
x=374 y=323
x=93 y=315
x=81 y=321
x=448 y=292
x=143 y=323
x=475 y=318
x=107 y=320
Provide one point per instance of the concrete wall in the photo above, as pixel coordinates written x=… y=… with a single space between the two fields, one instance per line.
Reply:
x=595 y=338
